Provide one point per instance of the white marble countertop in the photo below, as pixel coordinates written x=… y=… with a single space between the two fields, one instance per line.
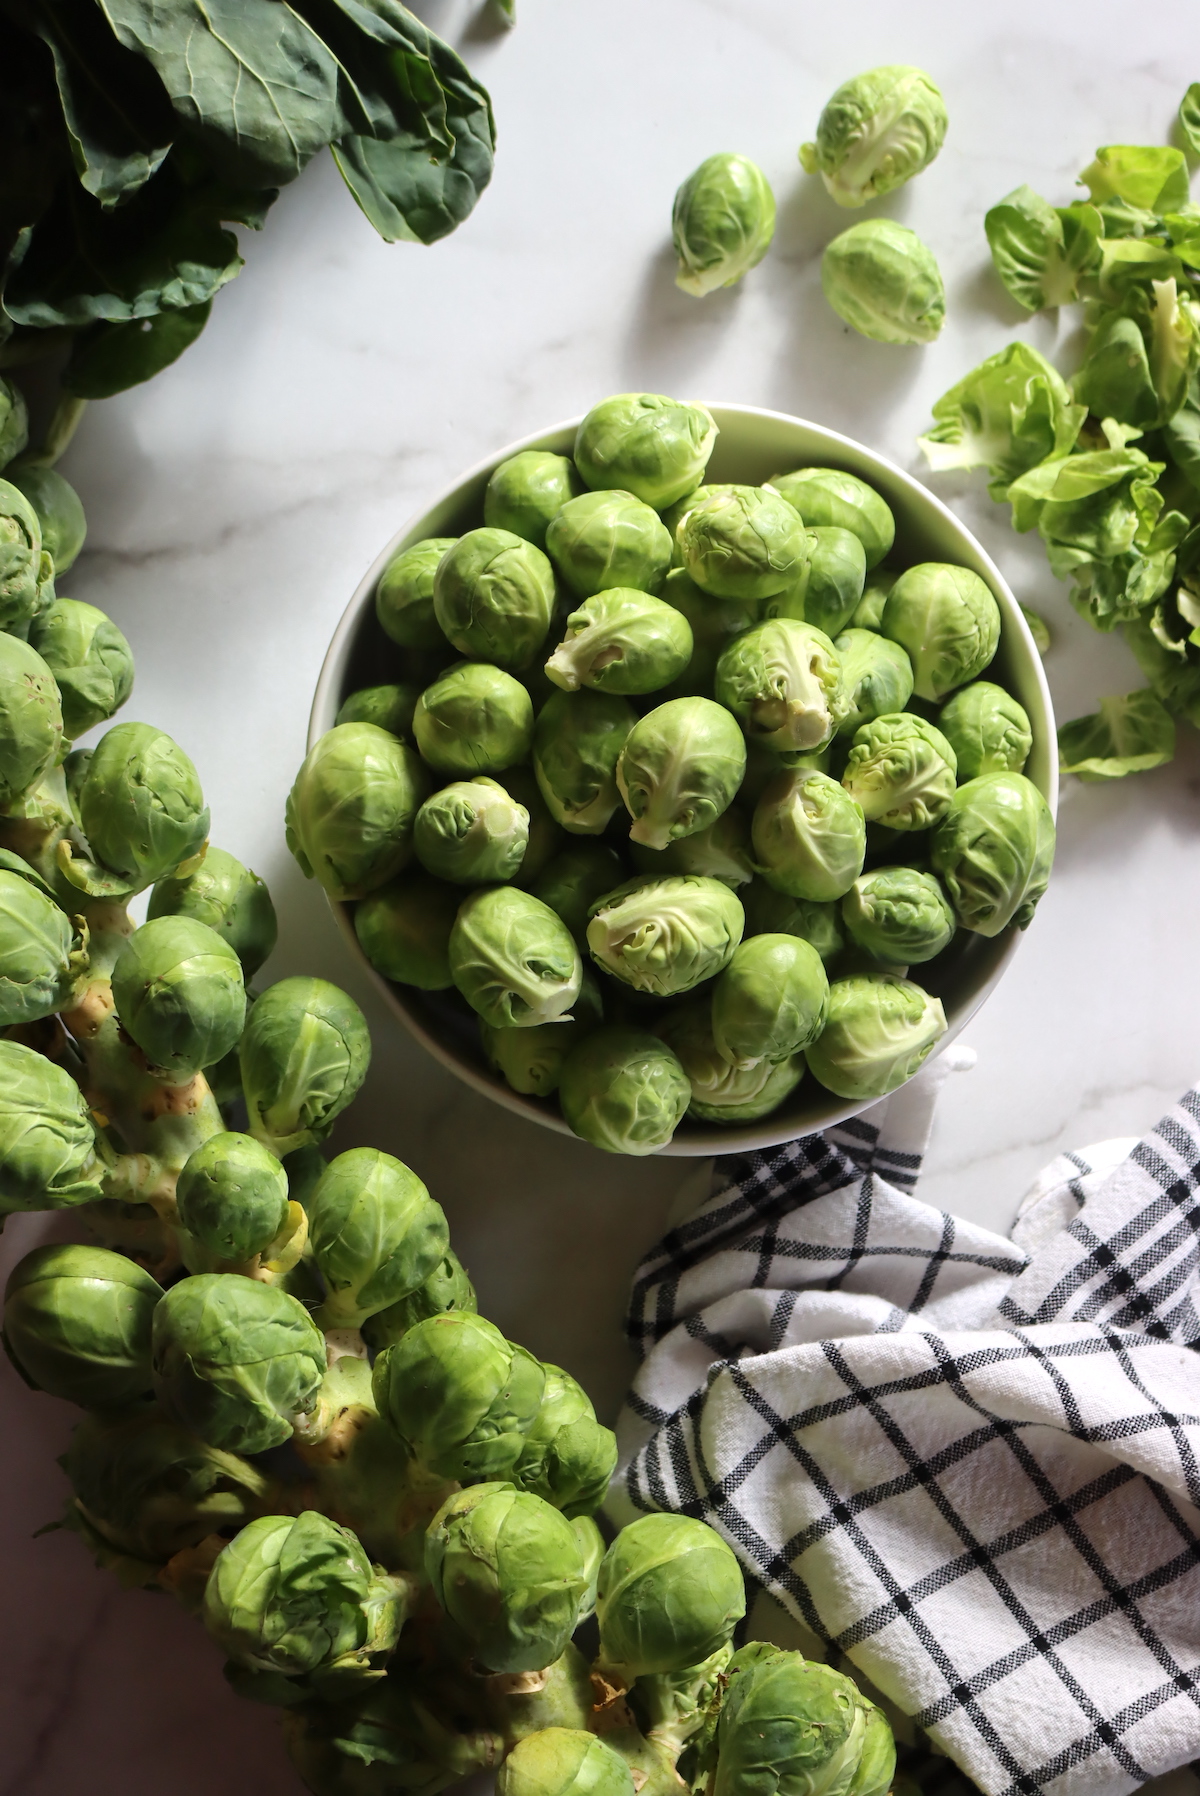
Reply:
x=234 y=503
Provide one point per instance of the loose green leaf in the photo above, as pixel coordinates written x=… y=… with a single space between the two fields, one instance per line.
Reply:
x=1189 y=118
x=115 y=111
x=1008 y=415
x=1095 y=503
x=1131 y=263
x=1173 y=674
x=1181 y=435
x=1040 y=251
x=1144 y=175
x=109 y=358
x=1126 y=735
x=249 y=77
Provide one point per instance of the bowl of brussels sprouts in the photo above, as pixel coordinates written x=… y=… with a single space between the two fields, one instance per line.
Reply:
x=684 y=775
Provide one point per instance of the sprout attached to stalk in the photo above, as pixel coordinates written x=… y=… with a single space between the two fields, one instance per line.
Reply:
x=228 y=898
x=77 y=1324
x=459 y=1396
x=31 y=719
x=233 y=1200
x=59 y=511
x=670 y=1594
x=376 y=1234
x=564 y=1761
x=179 y=992
x=447 y=1288
x=90 y=659
x=303 y=1053
x=568 y=1457
x=43 y=952
x=48 y=1149
x=142 y=811
x=787 y=1722
x=21 y=572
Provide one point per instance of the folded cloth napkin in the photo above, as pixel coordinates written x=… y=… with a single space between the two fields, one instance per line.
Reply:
x=966 y=1464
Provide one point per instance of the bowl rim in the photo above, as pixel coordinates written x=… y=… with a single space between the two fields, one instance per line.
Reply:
x=701 y=1140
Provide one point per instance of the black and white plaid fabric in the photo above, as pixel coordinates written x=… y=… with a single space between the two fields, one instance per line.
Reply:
x=968 y=1464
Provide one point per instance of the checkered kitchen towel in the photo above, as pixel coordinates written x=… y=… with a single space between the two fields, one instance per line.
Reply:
x=967 y=1465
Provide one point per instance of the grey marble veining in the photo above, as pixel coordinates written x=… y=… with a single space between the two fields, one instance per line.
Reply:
x=234 y=503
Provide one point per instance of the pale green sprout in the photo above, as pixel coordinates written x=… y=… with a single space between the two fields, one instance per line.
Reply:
x=493 y=595
x=621 y=641
x=530 y=1060
x=608 y=539
x=827 y=497
x=993 y=850
x=48 y=1155
x=897 y=915
x=743 y=543
x=233 y=1198
x=880 y=1031
x=1042 y=252
x=947 y=620
x=77 y=1324
x=769 y=912
x=577 y=743
x=59 y=511
x=809 y=836
x=1126 y=735
x=563 y=1761
x=722 y=851
x=21 y=571
x=404 y=595
x=788 y=1724
x=645 y=444
x=459 y=1396
x=582 y=872
x=664 y=936
x=1009 y=414
x=884 y=282
x=679 y=768
x=670 y=1594
x=1039 y=629
x=390 y=707
x=623 y=1090
x=770 y=1001
x=31 y=719
x=473 y=719
x=470 y=832
x=142 y=811
x=513 y=960
x=404 y=930
x=831 y=587
x=876 y=132
x=351 y=809
x=526 y=492
x=987 y=729
x=868 y=613
x=713 y=623
x=722 y=223
x=877 y=677
x=901 y=770
x=228 y=898
x=568 y=1457
x=783 y=682
x=376 y=1235
x=303 y=1054
x=43 y=953
x=89 y=658
x=446 y=1288
x=180 y=994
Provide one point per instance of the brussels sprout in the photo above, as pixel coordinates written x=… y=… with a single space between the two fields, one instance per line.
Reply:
x=149 y=1489
x=512 y=959
x=236 y=1361
x=721 y=1091
x=722 y=223
x=987 y=729
x=233 y=1197
x=527 y=491
x=604 y=540
x=376 y=1235
x=142 y=811
x=769 y=912
x=297 y=1595
x=901 y=771
x=446 y=1288
x=42 y=956
x=714 y=624
x=770 y=1001
x=351 y=809
x=508 y=1570
x=623 y=1090
x=679 y=768
x=722 y=851
x=387 y=707
x=546 y=839
x=179 y=992
x=670 y=1593
x=459 y=1396
x=666 y=935
x=59 y=511
x=641 y=443
x=20 y=558
x=868 y=613
x=880 y=1031
x=470 y=832
x=48 y=1155
x=949 y=623
x=884 y=282
x=743 y=543
x=673 y=515
x=31 y=720
x=763 y=766
x=493 y=596
x=877 y=677
x=788 y=1723
x=783 y=682
x=77 y=1324
x=14 y=422
x=1039 y=629
x=622 y=641
x=563 y=1761
x=577 y=742
x=91 y=662
x=831 y=587
x=876 y=132
x=809 y=836
x=568 y=1457
x=473 y=719
x=1126 y=735
x=404 y=930
x=827 y=497
x=530 y=1060
x=404 y=595
x=994 y=849
x=571 y=883
x=304 y=1053
x=898 y=916
x=230 y=899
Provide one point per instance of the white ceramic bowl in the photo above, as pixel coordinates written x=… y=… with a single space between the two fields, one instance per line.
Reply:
x=753 y=445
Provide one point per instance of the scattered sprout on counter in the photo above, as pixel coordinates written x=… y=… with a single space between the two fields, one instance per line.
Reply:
x=884 y=283
x=876 y=132
x=722 y=223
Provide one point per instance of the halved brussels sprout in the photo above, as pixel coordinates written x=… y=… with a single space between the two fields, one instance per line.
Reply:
x=827 y=497
x=876 y=132
x=884 y=282
x=404 y=595
x=743 y=543
x=987 y=729
x=994 y=849
x=680 y=766
x=642 y=443
x=623 y=1090
x=770 y=1001
x=809 y=835
x=947 y=620
x=609 y=539
x=880 y=1031
x=493 y=595
x=622 y=641
x=666 y=935
x=898 y=916
x=529 y=490
x=512 y=959
x=783 y=682
x=577 y=744
x=473 y=719
x=877 y=677
x=471 y=832
x=901 y=770
x=722 y=223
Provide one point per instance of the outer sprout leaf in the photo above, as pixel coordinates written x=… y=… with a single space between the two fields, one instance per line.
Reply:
x=1143 y=175
x=1189 y=117
x=1007 y=415
x=116 y=113
x=1126 y=735
x=110 y=358
x=1040 y=251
